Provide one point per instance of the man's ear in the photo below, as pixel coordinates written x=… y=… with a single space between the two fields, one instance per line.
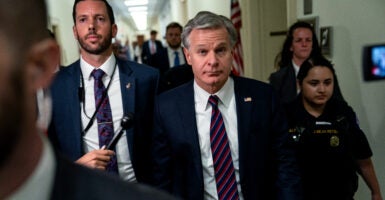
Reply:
x=187 y=54
x=43 y=62
x=74 y=31
x=114 y=29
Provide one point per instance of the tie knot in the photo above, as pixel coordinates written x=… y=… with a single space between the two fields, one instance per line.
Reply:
x=176 y=53
x=213 y=100
x=97 y=74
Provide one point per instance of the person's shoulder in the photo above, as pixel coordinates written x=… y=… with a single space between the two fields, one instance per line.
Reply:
x=159 y=42
x=160 y=54
x=138 y=68
x=178 y=91
x=69 y=68
x=67 y=73
x=280 y=72
x=339 y=107
x=91 y=184
x=251 y=84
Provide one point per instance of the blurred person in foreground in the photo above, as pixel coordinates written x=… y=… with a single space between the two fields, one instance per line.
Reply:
x=331 y=147
x=29 y=167
x=219 y=136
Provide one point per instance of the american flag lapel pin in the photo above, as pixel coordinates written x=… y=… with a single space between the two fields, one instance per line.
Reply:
x=128 y=86
x=247 y=99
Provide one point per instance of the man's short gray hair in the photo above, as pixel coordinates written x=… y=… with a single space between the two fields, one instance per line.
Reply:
x=208 y=20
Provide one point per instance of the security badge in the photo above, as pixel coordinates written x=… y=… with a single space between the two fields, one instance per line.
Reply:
x=334 y=139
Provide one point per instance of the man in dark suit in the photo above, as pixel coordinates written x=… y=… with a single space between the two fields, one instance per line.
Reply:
x=175 y=77
x=172 y=55
x=150 y=47
x=219 y=136
x=29 y=168
x=128 y=87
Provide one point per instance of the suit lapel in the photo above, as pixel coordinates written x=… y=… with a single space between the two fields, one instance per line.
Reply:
x=128 y=87
x=74 y=84
x=245 y=107
x=186 y=107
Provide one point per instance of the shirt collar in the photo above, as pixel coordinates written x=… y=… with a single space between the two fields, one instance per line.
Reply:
x=108 y=66
x=225 y=94
x=296 y=68
x=171 y=51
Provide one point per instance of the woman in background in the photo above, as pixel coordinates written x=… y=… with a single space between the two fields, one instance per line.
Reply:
x=332 y=148
x=300 y=44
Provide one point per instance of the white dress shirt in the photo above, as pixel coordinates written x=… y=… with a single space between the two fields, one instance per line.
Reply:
x=91 y=138
x=227 y=106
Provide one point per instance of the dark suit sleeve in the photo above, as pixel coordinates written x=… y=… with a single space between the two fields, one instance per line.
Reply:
x=161 y=152
x=288 y=181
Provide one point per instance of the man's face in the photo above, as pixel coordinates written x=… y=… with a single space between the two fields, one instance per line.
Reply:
x=173 y=37
x=153 y=36
x=93 y=27
x=11 y=98
x=210 y=55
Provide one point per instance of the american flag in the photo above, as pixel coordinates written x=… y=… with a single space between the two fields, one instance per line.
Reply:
x=238 y=54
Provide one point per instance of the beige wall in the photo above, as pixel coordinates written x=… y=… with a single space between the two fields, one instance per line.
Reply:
x=60 y=15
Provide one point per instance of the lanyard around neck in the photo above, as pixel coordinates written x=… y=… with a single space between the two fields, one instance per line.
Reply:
x=105 y=92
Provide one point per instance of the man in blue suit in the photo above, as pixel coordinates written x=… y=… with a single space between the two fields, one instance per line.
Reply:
x=172 y=55
x=251 y=159
x=151 y=47
x=130 y=88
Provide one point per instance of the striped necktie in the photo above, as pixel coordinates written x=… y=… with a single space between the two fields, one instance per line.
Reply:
x=223 y=163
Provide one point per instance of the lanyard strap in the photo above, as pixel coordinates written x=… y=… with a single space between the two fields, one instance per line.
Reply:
x=92 y=119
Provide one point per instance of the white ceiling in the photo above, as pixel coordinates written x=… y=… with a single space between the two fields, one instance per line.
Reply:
x=154 y=8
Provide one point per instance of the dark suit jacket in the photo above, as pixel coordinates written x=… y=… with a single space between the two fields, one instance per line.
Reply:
x=65 y=130
x=146 y=52
x=176 y=76
x=267 y=166
x=75 y=182
x=284 y=82
x=161 y=61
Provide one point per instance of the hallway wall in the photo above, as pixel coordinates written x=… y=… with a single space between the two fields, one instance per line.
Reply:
x=60 y=15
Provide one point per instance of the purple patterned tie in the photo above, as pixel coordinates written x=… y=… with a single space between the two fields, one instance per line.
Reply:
x=104 y=117
x=223 y=163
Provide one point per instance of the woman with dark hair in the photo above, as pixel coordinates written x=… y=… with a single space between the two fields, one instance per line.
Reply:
x=330 y=145
x=300 y=44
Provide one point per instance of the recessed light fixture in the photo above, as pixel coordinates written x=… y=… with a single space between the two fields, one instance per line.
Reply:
x=136 y=2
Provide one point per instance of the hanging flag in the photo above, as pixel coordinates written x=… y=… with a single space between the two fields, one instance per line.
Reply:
x=238 y=53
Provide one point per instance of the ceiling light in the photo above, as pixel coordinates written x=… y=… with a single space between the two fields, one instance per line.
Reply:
x=140 y=20
x=135 y=2
x=137 y=8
